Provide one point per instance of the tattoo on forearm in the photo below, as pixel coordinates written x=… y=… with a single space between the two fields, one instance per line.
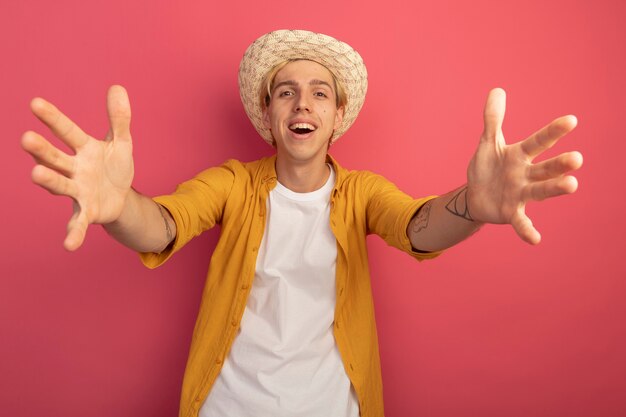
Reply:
x=458 y=205
x=421 y=218
x=168 y=230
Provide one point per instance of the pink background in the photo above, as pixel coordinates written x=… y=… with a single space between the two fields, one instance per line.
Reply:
x=493 y=328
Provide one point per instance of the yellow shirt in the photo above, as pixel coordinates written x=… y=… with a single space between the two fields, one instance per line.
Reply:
x=234 y=195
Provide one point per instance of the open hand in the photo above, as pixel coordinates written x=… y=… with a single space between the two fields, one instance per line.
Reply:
x=99 y=174
x=502 y=178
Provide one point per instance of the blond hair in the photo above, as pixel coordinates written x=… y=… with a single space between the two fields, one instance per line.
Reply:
x=265 y=93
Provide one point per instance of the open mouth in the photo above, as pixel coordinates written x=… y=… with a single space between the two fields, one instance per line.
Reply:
x=302 y=128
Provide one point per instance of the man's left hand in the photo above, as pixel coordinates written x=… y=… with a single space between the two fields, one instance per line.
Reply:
x=502 y=178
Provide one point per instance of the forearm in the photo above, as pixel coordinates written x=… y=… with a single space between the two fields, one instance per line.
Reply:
x=442 y=222
x=143 y=225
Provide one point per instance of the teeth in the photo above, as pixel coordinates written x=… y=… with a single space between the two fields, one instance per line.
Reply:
x=302 y=126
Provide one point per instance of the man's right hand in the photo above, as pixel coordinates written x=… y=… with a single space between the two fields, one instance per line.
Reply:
x=97 y=177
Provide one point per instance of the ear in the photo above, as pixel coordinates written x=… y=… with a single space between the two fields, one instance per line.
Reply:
x=339 y=117
x=266 y=119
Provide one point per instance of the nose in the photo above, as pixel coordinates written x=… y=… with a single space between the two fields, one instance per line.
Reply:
x=302 y=104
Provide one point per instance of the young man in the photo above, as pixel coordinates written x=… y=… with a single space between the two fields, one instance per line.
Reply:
x=286 y=325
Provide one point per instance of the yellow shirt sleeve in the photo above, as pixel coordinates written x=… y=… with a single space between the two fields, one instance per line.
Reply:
x=389 y=212
x=196 y=206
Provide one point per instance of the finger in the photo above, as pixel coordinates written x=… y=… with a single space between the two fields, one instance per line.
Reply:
x=547 y=136
x=61 y=125
x=524 y=228
x=76 y=229
x=47 y=154
x=555 y=167
x=118 y=107
x=493 y=115
x=551 y=188
x=54 y=182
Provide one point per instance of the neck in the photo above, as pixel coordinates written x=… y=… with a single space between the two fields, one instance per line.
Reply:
x=302 y=178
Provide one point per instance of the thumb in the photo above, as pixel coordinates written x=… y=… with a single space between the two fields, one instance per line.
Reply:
x=118 y=107
x=494 y=114
x=524 y=228
x=76 y=229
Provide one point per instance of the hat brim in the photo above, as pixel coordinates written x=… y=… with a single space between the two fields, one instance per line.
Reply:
x=275 y=47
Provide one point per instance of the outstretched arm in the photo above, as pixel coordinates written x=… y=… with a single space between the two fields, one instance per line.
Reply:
x=97 y=177
x=501 y=179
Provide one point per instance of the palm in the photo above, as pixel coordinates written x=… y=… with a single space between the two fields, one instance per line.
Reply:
x=502 y=178
x=98 y=176
x=102 y=191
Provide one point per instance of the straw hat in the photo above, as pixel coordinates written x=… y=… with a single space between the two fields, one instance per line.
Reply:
x=275 y=47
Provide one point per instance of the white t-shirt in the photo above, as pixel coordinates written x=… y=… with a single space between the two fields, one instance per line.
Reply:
x=284 y=362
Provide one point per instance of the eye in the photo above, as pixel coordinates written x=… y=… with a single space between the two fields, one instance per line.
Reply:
x=320 y=94
x=285 y=93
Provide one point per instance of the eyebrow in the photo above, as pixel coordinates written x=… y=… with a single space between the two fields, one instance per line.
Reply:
x=295 y=84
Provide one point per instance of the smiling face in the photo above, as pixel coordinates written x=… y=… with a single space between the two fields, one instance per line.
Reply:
x=302 y=113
